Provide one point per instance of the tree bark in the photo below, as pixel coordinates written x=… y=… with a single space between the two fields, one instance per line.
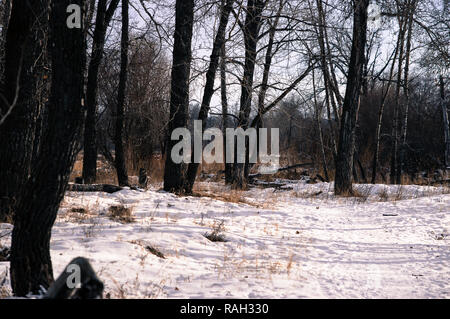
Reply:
x=344 y=160
x=102 y=20
x=445 y=122
x=179 y=93
x=19 y=106
x=209 y=87
x=396 y=119
x=226 y=123
x=251 y=29
x=330 y=87
x=119 y=160
x=318 y=118
x=31 y=266
x=411 y=11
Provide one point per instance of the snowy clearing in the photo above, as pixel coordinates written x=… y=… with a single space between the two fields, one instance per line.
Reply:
x=389 y=242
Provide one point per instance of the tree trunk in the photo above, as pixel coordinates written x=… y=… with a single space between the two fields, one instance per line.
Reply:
x=318 y=118
x=179 y=92
x=226 y=123
x=251 y=30
x=328 y=81
x=344 y=160
x=411 y=11
x=102 y=21
x=396 y=121
x=31 y=266
x=19 y=106
x=119 y=162
x=446 y=123
x=380 y=114
x=209 y=88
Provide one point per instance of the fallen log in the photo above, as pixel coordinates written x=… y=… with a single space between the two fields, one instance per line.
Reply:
x=277 y=186
x=93 y=188
x=77 y=281
x=282 y=169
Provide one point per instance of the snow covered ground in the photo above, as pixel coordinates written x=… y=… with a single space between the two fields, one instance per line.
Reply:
x=389 y=242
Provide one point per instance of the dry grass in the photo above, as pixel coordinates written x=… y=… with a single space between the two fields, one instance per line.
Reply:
x=155 y=251
x=89 y=231
x=151 y=249
x=79 y=214
x=121 y=214
x=363 y=193
x=399 y=193
x=216 y=234
x=228 y=195
x=384 y=194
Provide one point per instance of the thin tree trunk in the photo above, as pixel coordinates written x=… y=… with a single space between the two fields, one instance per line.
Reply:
x=334 y=92
x=31 y=267
x=395 y=125
x=267 y=65
x=380 y=115
x=179 y=95
x=330 y=87
x=446 y=123
x=226 y=123
x=344 y=161
x=119 y=160
x=209 y=87
x=318 y=113
x=251 y=30
x=102 y=20
x=411 y=10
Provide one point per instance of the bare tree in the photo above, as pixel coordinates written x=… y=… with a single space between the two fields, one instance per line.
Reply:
x=209 y=87
x=31 y=266
x=382 y=105
x=250 y=28
x=445 y=122
x=121 y=168
x=226 y=121
x=174 y=173
x=103 y=19
x=344 y=158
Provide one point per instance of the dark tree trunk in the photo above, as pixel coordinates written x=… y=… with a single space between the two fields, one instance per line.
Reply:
x=121 y=168
x=328 y=81
x=102 y=20
x=251 y=29
x=179 y=92
x=318 y=118
x=226 y=123
x=209 y=87
x=402 y=150
x=396 y=120
x=19 y=106
x=31 y=266
x=344 y=159
x=445 y=122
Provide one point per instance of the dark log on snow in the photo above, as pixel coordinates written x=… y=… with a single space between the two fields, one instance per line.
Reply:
x=287 y=168
x=77 y=281
x=94 y=188
x=277 y=186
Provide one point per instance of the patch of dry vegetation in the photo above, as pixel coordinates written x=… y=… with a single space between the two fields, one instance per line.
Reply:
x=121 y=214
